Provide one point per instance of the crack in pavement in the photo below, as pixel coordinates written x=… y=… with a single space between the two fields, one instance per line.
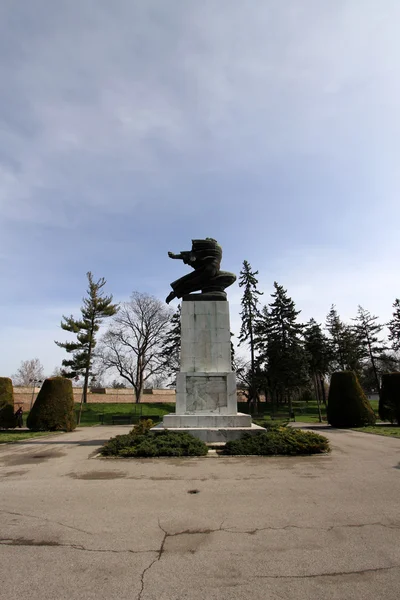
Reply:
x=37 y=543
x=161 y=549
x=334 y=574
x=7 y=512
x=252 y=532
x=330 y=528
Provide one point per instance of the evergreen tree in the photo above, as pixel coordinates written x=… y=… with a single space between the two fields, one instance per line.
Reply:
x=249 y=313
x=368 y=330
x=319 y=356
x=394 y=326
x=171 y=347
x=233 y=354
x=96 y=307
x=345 y=345
x=281 y=347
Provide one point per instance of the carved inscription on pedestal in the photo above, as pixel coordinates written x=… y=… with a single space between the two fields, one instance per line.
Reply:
x=206 y=393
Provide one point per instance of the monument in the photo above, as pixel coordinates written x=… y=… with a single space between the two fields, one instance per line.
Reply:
x=206 y=396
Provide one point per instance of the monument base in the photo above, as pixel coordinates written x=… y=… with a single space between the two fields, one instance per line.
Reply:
x=206 y=394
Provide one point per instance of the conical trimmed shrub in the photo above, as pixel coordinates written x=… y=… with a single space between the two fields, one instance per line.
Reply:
x=389 y=402
x=7 y=418
x=348 y=406
x=54 y=407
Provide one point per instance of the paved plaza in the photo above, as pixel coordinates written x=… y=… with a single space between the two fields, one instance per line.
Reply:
x=74 y=526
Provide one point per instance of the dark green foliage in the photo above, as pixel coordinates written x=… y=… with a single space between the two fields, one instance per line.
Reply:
x=95 y=308
x=347 y=404
x=317 y=348
x=54 y=407
x=345 y=345
x=394 y=326
x=281 y=350
x=249 y=313
x=373 y=348
x=389 y=403
x=141 y=442
x=271 y=425
x=7 y=418
x=171 y=347
x=283 y=441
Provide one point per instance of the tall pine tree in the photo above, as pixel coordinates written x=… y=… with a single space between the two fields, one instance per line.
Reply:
x=96 y=307
x=171 y=346
x=394 y=326
x=319 y=356
x=279 y=339
x=345 y=345
x=368 y=329
x=249 y=314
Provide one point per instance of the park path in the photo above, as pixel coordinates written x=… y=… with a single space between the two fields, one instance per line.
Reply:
x=73 y=526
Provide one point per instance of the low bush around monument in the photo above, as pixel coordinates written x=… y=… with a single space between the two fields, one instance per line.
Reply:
x=279 y=442
x=270 y=425
x=54 y=407
x=142 y=443
x=348 y=406
x=7 y=418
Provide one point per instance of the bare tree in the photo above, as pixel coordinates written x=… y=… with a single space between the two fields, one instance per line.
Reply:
x=29 y=372
x=58 y=372
x=133 y=344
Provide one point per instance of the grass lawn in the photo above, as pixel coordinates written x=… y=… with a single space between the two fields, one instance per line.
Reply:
x=384 y=429
x=12 y=436
x=100 y=412
x=304 y=412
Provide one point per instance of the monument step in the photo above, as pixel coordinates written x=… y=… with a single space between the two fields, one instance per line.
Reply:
x=206 y=420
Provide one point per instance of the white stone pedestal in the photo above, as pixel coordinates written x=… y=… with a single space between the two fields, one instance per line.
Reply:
x=206 y=397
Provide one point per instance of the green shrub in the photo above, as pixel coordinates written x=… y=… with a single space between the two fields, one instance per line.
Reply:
x=348 y=406
x=285 y=441
x=54 y=407
x=7 y=417
x=389 y=403
x=271 y=425
x=142 y=427
x=144 y=443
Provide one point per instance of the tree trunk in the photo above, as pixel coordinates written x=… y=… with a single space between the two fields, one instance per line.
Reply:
x=322 y=384
x=317 y=393
x=87 y=370
x=289 y=399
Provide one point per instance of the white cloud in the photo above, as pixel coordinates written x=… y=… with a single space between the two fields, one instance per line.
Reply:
x=274 y=123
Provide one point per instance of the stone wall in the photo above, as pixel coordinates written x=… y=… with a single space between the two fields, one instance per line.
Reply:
x=23 y=396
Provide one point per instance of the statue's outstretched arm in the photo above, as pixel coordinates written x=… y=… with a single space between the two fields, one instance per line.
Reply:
x=186 y=256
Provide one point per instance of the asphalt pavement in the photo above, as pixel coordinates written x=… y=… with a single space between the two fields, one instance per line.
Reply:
x=75 y=526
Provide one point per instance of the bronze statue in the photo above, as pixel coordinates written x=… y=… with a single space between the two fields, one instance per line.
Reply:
x=205 y=258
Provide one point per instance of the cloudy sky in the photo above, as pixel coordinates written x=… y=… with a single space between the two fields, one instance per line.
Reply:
x=129 y=127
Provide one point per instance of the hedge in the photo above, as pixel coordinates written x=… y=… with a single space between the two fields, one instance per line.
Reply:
x=348 y=406
x=141 y=442
x=7 y=417
x=286 y=441
x=389 y=402
x=54 y=407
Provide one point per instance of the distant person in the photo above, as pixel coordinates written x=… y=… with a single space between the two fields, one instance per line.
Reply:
x=18 y=416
